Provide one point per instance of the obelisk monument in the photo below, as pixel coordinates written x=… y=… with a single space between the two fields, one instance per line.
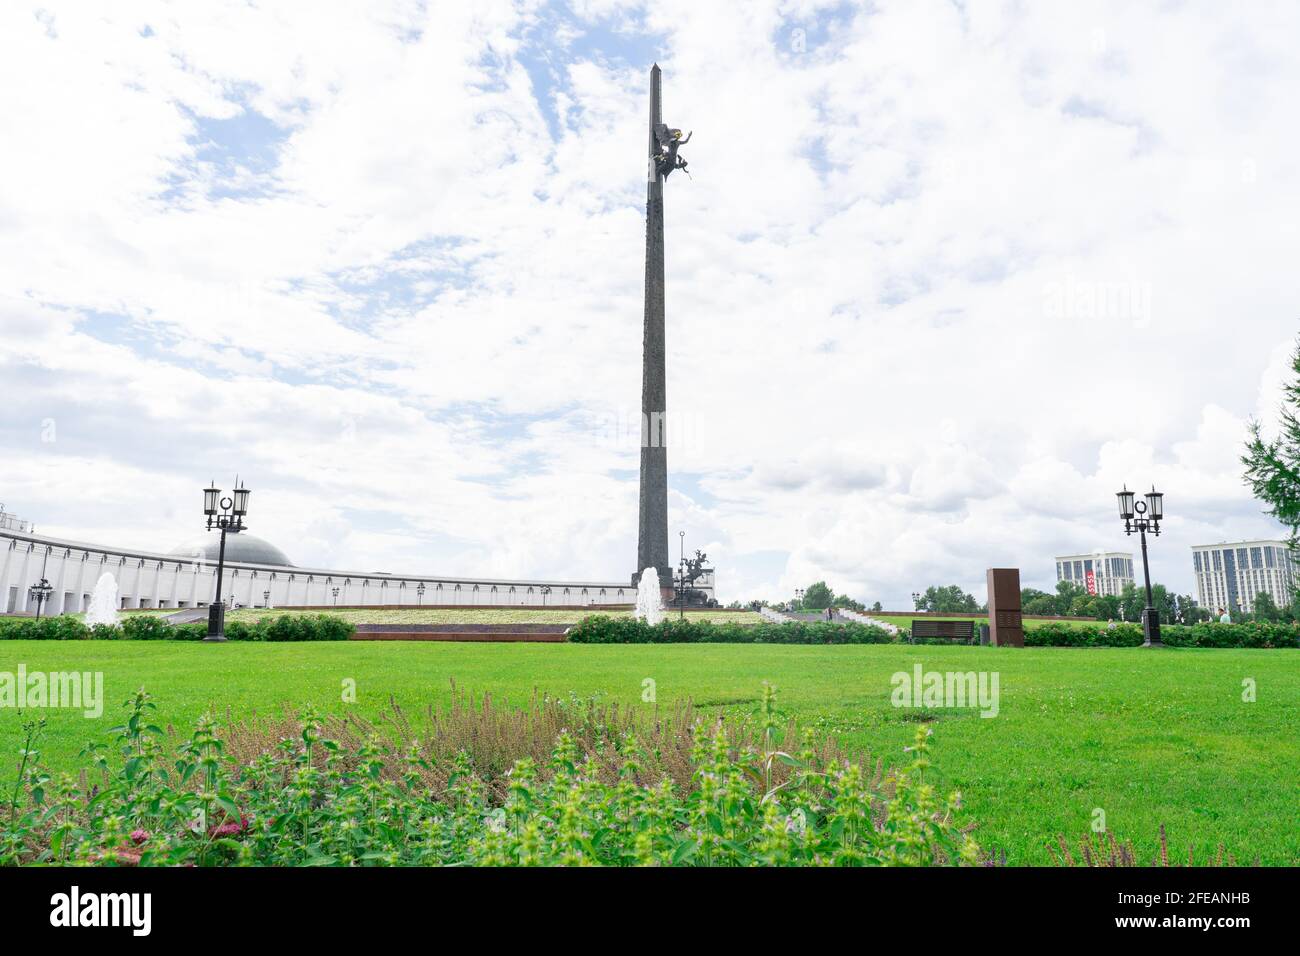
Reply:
x=652 y=538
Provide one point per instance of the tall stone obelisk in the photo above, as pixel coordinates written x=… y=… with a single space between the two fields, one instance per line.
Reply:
x=652 y=539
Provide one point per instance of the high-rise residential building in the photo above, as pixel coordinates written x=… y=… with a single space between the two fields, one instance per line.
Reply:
x=1102 y=573
x=1229 y=575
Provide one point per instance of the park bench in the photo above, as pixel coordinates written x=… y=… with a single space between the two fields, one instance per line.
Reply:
x=963 y=631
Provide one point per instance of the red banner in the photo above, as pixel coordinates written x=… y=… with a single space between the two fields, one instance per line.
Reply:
x=1092 y=583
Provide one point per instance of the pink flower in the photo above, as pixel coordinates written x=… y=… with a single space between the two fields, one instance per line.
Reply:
x=139 y=836
x=231 y=827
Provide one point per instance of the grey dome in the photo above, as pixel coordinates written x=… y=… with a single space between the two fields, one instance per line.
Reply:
x=240 y=546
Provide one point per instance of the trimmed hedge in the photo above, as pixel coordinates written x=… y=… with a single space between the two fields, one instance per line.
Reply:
x=1258 y=635
x=1053 y=634
x=626 y=630
x=147 y=627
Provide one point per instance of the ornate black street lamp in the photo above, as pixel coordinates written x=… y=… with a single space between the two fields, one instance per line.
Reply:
x=335 y=592
x=544 y=591
x=916 y=600
x=419 y=594
x=1144 y=516
x=40 y=591
x=227 y=514
x=266 y=598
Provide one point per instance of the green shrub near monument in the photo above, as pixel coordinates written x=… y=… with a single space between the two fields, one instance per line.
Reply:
x=1256 y=635
x=67 y=627
x=610 y=630
x=625 y=630
x=601 y=629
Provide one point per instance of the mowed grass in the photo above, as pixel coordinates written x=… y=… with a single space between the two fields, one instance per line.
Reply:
x=1147 y=737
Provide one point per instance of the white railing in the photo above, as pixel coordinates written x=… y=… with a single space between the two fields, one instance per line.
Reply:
x=10 y=522
x=863 y=619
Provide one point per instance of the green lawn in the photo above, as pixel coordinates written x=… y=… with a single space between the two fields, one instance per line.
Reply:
x=1146 y=736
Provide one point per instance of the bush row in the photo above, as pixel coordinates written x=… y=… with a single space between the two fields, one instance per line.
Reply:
x=626 y=630
x=1260 y=634
x=142 y=627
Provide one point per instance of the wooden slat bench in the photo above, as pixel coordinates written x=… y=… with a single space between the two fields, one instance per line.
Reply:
x=963 y=631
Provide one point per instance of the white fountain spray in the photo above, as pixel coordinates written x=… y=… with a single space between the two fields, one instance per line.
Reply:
x=649 y=606
x=103 y=603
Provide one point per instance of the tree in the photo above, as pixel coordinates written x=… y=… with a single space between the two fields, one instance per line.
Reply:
x=1105 y=607
x=1273 y=468
x=1164 y=602
x=1029 y=594
x=1081 y=606
x=877 y=607
x=1265 y=608
x=1131 y=603
x=1067 y=592
x=843 y=600
x=947 y=600
x=1043 y=605
x=1189 y=612
x=818 y=596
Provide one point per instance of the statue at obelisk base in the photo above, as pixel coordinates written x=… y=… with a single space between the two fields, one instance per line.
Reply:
x=652 y=532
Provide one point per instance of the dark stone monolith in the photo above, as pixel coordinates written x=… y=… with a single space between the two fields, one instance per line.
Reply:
x=652 y=538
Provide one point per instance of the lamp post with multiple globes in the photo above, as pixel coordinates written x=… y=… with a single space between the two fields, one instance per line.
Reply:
x=226 y=514
x=1144 y=516
x=40 y=591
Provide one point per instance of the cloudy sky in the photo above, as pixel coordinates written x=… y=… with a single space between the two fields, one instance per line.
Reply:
x=946 y=276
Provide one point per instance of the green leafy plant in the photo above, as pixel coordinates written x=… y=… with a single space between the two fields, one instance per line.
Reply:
x=144 y=627
x=1258 y=634
x=373 y=799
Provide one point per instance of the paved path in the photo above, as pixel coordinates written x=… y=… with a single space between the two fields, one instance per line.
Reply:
x=863 y=619
x=187 y=615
